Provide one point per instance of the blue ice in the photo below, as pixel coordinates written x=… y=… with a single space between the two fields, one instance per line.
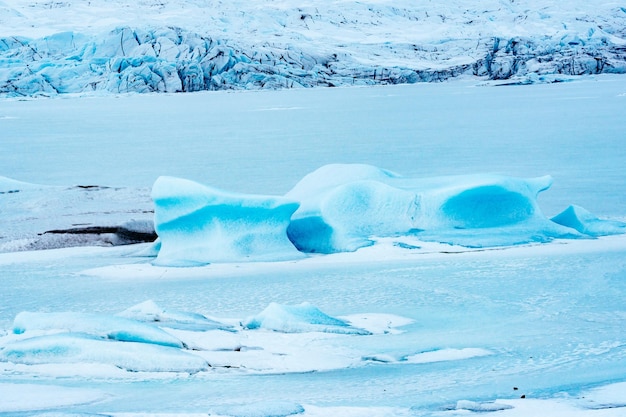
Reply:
x=150 y=312
x=299 y=319
x=198 y=225
x=344 y=207
x=83 y=348
x=100 y=325
x=587 y=223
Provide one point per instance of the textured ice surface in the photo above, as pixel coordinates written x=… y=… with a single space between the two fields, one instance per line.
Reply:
x=481 y=407
x=344 y=207
x=150 y=312
x=72 y=348
x=102 y=325
x=50 y=48
x=261 y=409
x=551 y=314
x=93 y=215
x=299 y=318
x=199 y=225
x=28 y=397
x=586 y=223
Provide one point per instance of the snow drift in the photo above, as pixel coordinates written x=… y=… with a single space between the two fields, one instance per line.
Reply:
x=340 y=208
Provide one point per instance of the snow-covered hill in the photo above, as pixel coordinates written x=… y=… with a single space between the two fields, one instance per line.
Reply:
x=78 y=46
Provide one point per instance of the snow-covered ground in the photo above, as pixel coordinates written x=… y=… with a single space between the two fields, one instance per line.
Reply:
x=79 y=46
x=345 y=291
x=401 y=327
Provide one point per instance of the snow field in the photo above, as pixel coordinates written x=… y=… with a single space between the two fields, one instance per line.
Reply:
x=544 y=318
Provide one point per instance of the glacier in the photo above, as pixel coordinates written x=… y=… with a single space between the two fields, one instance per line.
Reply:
x=345 y=207
x=251 y=45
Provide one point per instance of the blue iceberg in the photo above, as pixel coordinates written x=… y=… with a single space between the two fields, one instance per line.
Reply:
x=299 y=319
x=198 y=225
x=344 y=207
x=586 y=223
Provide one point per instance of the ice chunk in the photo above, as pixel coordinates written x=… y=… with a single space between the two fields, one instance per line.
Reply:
x=102 y=325
x=299 y=319
x=150 y=312
x=585 y=222
x=344 y=206
x=346 y=216
x=198 y=225
x=81 y=348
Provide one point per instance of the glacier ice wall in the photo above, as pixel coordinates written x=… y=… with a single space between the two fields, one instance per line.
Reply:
x=283 y=46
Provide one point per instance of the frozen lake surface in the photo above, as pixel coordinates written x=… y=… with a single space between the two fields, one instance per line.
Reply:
x=264 y=142
x=543 y=321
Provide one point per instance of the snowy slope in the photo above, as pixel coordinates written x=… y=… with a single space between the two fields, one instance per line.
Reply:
x=51 y=47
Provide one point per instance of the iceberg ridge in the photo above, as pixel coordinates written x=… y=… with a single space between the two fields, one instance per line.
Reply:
x=344 y=207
